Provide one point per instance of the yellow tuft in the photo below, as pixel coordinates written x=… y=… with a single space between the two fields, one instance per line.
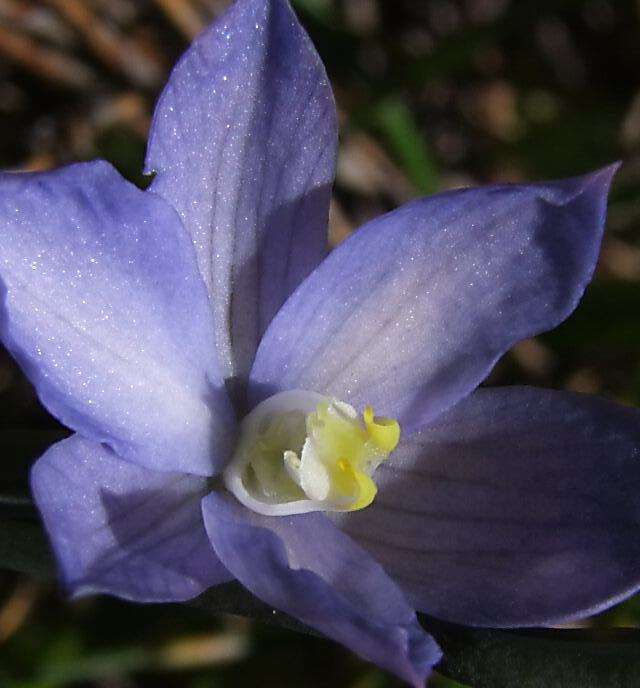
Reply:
x=384 y=432
x=350 y=450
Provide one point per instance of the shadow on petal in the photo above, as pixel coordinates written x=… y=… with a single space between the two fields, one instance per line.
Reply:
x=122 y=529
x=517 y=507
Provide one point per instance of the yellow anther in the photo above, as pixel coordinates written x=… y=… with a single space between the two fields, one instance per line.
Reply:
x=368 y=491
x=384 y=432
x=353 y=484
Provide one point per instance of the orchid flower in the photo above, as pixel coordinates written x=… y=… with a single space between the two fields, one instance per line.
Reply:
x=248 y=409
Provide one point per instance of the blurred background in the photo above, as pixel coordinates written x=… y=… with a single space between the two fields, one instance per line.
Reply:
x=432 y=94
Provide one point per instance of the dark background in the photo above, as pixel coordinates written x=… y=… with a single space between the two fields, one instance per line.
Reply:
x=432 y=94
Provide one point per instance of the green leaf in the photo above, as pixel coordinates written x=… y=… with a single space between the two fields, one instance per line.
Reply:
x=20 y=446
x=549 y=658
x=321 y=10
x=233 y=598
x=606 y=318
x=396 y=123
x=23 y=544
x=24 y=548
x=491 y=658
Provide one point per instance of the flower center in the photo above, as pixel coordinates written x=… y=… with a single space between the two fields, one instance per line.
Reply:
x=300 y=451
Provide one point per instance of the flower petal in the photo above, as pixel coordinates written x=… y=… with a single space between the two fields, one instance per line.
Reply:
x=106 y=312
x=518 y=507
x=413 y=310
x=122 y=529
x=305 y=567
x=243 y=142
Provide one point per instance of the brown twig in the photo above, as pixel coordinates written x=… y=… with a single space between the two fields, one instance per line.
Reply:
x=129 y=109
x=184 y=15
x=122 y=12
x=45 y=62
x=206 y=650
x=17 y=607
x=35 y=20
x=107 y=43
x=214 y=7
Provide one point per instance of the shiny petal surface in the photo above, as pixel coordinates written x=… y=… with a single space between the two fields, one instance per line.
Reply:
x=518 y=507
x=411 y=312
x=243 y=142
x=104 y=308
x=122 y=529
x=307 y=568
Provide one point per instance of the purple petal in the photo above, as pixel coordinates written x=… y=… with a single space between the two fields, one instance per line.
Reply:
x=412 y=311
x=307 y=568
x=243 y=142
x=518 y=507
x=106 y=312
x=122 y=529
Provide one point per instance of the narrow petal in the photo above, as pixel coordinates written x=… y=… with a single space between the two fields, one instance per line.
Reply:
x=243 y=142
x=122 y=529
x=413 y=310
x=519 y=507
x=104 y=308
x=307 y=568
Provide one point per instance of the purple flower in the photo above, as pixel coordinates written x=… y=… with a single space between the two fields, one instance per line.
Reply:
x=152 y=323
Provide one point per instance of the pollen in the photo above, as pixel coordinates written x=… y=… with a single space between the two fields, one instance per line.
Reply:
x=300 y=451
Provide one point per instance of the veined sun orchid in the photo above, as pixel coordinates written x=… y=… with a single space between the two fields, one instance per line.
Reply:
x=247 y=408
